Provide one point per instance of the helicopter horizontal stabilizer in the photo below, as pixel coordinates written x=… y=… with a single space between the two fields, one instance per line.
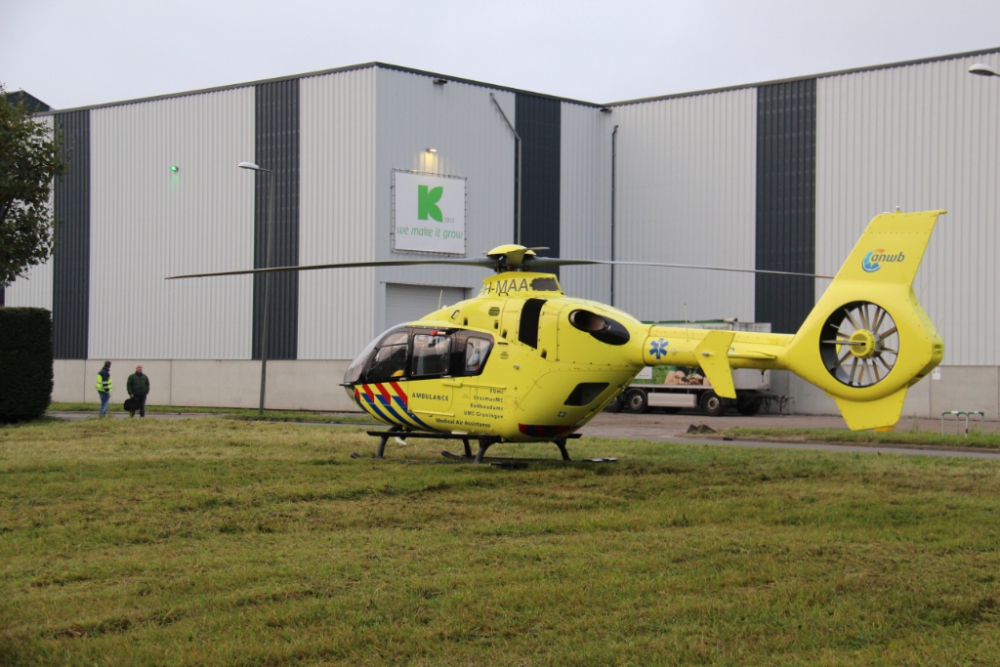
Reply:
x=713 y=353
x=879 y=413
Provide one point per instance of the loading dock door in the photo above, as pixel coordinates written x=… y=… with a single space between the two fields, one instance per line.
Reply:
x=405 y=303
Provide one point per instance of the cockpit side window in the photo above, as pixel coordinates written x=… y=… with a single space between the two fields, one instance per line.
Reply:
x=476 y=351
x=431 y=355
x=390 y=360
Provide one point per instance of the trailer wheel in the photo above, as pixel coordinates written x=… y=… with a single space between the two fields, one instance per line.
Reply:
x=712 y=404
x=616 y=404
x=748 y=406
x=635 y=399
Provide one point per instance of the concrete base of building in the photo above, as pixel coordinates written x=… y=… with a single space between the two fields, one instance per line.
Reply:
x=954 y=388
x=291 y=385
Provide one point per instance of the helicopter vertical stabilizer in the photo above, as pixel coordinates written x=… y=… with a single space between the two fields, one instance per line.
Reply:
x=868 y=339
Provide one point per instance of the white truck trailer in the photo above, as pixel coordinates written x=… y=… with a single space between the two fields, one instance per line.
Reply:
x=677 y=388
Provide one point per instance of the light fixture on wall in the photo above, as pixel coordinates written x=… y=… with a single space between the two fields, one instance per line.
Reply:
x=605 y=109
x=983 y=70
x=431 y=150
x=174 y=168
x=440 y=82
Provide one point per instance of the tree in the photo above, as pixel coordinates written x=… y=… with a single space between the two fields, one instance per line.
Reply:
x=29 y=160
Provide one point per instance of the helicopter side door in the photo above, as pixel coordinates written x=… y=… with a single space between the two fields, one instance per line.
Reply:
x=429 y=388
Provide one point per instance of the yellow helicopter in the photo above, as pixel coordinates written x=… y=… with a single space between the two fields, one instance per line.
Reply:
x=521 y=361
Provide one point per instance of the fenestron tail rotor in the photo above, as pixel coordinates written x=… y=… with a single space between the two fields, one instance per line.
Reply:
x=859 y=344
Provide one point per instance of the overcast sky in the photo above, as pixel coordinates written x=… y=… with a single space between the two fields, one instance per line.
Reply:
x=76 y=53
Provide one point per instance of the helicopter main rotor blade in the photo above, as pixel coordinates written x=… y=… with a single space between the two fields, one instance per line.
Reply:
x=529 y=263
x=471 y=261
x=546 y=262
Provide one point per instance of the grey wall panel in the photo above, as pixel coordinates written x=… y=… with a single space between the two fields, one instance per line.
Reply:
x=71 y=259
x=585 y=200
x=786 y=202
x=405 y=303
x=277 y=138
x=337 y=213
x=538 y=125
x=472 y=141
x=150 y=222
x=34 y=289
x=686 y=194
x=919 y=137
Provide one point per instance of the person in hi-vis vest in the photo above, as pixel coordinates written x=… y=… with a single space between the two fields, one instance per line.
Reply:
x=104 y=386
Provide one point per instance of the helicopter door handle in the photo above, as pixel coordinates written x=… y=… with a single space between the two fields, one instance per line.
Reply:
x=451 y=383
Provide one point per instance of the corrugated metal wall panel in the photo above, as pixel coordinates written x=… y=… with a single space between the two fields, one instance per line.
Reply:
x=472 y=141
x=71 y=261
x=34 y=289
x=686 y=193
x=538 y=124
x=585 y=200
x=337 y=215
x=786 y=202
x=149 y=223
x=277 y=135
x=919 y=137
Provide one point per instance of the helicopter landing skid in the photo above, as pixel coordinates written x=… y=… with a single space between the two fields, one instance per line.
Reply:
x=484 y=443
x=396 y=432
x=517 y=461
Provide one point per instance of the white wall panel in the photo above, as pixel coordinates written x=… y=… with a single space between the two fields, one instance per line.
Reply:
x=337 y=220
x=920 y=137
x=34 y=288
x=148 y=223
x=687 y=194
x=472 y=141
x=585 y=199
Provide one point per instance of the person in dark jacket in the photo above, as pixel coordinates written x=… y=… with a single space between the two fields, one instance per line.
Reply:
x=103 y=385
x=138 y=388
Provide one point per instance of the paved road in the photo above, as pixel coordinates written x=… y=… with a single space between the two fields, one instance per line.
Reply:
x=672 y=428
x=79 y=416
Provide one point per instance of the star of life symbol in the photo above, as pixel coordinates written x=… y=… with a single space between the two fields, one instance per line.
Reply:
x=659 y=348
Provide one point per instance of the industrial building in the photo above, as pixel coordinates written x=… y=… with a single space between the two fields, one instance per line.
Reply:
x=777 y=175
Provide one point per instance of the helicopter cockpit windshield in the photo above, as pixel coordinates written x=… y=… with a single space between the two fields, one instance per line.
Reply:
x=405 y=353
x=353 y=373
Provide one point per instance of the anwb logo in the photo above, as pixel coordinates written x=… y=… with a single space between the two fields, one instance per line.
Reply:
x=874 y=259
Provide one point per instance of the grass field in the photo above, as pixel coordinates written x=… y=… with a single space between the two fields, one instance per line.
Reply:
x=221 y=542
x=232 y=413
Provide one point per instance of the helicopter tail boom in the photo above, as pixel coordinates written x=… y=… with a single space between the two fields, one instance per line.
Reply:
x=864 y=343
x=868 y=339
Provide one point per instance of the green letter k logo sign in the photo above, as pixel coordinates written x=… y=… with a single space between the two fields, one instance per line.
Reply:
x=427 y=202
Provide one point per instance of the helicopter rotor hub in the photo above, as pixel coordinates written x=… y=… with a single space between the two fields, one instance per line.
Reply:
x=863 y=344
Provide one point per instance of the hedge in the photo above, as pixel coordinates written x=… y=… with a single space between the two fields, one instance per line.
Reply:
x=25 y=363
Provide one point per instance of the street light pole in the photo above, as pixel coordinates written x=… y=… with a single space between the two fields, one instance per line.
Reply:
x=269 y=249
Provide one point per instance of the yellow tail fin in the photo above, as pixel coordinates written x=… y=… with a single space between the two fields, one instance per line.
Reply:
x=713 y=354
x=867 y=339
